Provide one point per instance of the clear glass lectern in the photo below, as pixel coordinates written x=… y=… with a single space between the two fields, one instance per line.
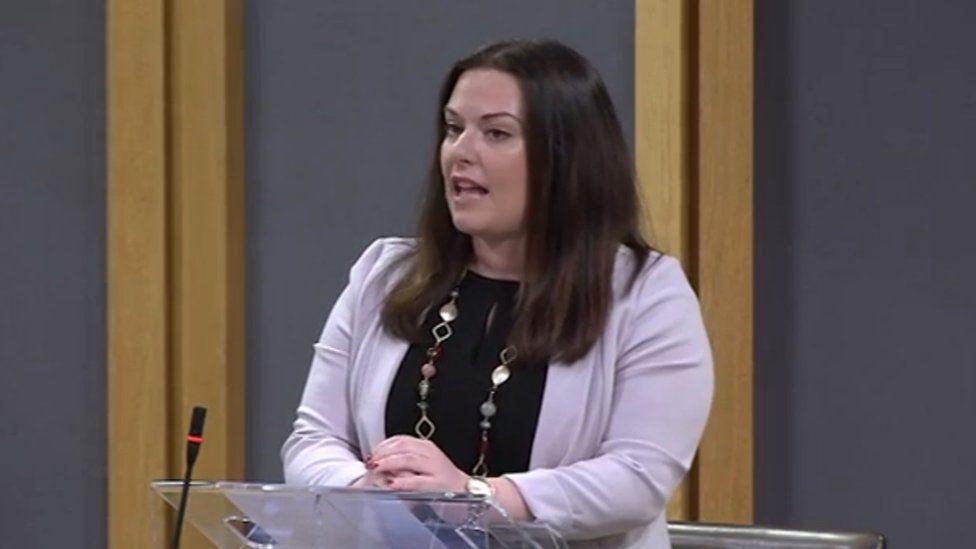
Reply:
x=276 y=516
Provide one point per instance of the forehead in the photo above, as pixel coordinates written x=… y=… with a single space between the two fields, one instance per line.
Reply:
x=480 y=91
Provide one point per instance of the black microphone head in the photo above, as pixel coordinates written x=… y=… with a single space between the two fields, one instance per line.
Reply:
x=196 y=423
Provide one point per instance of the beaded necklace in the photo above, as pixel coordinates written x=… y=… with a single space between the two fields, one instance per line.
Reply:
x=442 y=331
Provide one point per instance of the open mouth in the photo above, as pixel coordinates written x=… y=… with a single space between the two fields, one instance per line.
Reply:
x=466 y=187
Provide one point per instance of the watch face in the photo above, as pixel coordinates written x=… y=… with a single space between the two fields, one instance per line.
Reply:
x=479 y=487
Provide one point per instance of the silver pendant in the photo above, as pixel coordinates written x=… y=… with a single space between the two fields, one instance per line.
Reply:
x=500 y=375
x=425 y=427
x=449 y=311
x=508 y=354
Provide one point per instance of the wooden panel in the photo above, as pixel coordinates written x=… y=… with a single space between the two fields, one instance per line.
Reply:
x=662 y=133
x=662 y=146
x=207 y=229
x=138 y=348
x=176 y=250
x=724 y=221
x=693 y=150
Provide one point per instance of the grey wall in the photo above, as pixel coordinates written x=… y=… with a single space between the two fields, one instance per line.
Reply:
x=340 y=107
x=52 y=276
x=866 y=303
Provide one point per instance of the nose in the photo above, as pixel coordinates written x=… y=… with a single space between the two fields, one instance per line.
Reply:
x=463 y=148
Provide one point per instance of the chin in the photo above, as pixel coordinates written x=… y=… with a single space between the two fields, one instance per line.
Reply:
x=468 y=224
x=469 y=229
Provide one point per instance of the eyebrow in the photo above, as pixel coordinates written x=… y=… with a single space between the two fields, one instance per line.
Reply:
x=452 y=112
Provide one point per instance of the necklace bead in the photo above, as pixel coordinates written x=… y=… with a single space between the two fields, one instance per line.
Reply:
x=488 y=409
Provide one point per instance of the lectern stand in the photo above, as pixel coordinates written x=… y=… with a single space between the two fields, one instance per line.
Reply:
x=275 y=516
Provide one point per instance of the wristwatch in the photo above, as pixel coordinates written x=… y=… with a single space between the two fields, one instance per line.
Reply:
x=479 y=486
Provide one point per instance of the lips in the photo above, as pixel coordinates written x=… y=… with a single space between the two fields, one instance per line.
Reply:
x=463 y=186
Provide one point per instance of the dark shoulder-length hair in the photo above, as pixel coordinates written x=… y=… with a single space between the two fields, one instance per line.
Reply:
x=582 y=205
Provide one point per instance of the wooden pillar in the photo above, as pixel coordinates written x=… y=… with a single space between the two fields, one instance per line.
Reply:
x=724 y=259
x=176 y=248
x=663 y=147
x=693 y=149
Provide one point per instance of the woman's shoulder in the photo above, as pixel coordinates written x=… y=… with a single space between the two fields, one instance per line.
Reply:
x=378 y=258
x=660 y=305
x=656 y=274
x=387 y=248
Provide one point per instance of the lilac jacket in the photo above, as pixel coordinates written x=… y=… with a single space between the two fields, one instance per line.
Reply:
x=617 y=430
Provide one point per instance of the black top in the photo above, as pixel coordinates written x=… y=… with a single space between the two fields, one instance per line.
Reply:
x=463 y=379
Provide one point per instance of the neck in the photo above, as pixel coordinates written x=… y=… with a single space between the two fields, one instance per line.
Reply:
x=502 y=259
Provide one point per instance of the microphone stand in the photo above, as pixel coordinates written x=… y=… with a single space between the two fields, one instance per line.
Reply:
x=193 y=441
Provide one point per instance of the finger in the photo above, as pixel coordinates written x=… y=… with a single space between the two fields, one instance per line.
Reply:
x=401 y=443
x=382 y=481
x=374 y=460
x=387 y=446
x=401 y=462
x=412 y=483
x=391 y=476
x=376 y=479
x=416 y=445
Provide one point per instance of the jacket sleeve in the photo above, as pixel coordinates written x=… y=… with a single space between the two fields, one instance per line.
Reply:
x=661 y=397
x=322 y=448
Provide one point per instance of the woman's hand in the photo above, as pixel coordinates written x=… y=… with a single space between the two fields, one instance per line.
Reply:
x=407 y=463
x=372 y=479
x=415 y=464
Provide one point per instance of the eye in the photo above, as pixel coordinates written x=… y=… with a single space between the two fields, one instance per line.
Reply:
x=497 y=135
x=451 y=129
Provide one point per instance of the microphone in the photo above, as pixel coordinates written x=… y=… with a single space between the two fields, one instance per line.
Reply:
x=193 y=441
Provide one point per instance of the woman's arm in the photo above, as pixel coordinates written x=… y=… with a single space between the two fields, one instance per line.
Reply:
x=510 y=499
x=322 y=448
x=662 y=394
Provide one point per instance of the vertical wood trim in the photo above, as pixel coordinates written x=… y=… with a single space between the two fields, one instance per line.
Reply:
x=236 y=234
x=207 y=229
x=662 y=147
x=138 y=327
x=693 y=148
x=661 y=130
x=176 y=249
x=725 y=253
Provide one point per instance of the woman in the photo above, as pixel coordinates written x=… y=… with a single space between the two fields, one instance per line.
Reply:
x=528 y=345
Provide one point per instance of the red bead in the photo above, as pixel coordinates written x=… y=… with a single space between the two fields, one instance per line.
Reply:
x=434 y=353
x=483 y=448
x=428 y=370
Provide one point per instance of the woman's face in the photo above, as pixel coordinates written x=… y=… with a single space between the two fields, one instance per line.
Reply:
x=483 y=159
